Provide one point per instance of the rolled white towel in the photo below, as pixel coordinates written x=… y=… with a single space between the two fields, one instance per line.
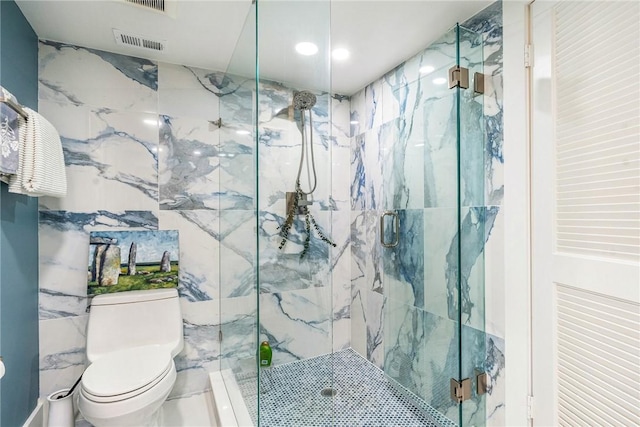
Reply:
x=42 y=169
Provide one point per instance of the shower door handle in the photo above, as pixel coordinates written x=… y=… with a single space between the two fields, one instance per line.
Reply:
x=396 y=231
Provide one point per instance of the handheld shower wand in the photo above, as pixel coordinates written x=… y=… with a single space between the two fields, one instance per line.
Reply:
x=297 y=202
x=304 y=101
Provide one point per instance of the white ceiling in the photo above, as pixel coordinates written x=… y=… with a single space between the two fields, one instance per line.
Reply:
x=379 y=34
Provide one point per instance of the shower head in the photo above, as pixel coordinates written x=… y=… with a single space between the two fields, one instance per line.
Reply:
x=303 y=100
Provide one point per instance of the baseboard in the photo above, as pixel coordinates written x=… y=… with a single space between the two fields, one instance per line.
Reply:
x=36 y=419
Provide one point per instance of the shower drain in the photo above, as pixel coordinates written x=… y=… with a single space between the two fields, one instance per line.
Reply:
x=328 y=392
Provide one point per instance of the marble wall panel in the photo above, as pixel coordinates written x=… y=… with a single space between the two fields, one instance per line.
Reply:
x=62 y=352
x=494 y=283
x=422 y=353
x=237 y=176
x=495 y=368
x=340 y=278
x=83 y=76
x=374 y=316
x=340 y=116
x=476 y=227
x=472 y=150
x=373 y=105
x=488 y=22
x=201 y=352
x=358 y=120
x=358 y=174
x=189 y=166
x=297 y=324
x=284 y=269
x=403 y=167
x=440 y=228
x=373 y=164
x=239 y=323
x=279 y=157
x=367 y=324
x=359 y=249
x=366 y=252
x=436 y=121
x=358 y=320
x=111 y=158
x=403 y=265
x=199 y=235
x=340 y=174
x=189 y=92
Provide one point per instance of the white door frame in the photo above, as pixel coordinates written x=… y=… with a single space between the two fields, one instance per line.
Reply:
x=516 y=213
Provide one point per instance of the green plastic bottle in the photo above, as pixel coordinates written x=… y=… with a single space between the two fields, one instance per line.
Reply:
x=265 y=354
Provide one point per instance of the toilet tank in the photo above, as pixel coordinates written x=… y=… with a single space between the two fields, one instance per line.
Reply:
x=135 y=318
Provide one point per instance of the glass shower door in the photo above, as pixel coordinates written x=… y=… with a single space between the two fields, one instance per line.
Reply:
x=432 y=174
x=236 y=229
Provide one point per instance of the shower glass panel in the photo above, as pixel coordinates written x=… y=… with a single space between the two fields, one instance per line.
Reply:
x=433 y=158
x=268 y=292
x=474 y=217
x=237 y=225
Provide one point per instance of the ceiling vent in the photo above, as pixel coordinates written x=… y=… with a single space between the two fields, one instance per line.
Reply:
x=166 y=7
x=138 y=41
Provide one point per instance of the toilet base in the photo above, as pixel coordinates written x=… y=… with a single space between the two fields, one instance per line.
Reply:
x=141 y=411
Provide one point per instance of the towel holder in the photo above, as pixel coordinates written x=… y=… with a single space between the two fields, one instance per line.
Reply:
x=15 y=106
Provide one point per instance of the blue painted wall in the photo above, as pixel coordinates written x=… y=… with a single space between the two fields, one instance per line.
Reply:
x=19 y=236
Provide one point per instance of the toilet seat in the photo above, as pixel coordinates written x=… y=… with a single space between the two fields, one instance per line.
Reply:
x=126 y=373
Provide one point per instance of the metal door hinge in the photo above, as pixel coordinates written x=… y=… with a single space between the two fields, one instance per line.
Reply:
x=478 y=83
x=528 y=56
x=530 y=407
x=460 y=390
x=458 y=77
x=220 y=335
x=481 y=382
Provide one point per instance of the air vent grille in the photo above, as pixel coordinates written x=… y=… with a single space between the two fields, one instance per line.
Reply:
x=138 y=41
x=158 y=5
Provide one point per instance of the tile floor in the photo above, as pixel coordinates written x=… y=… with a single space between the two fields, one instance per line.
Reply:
x=291 y=396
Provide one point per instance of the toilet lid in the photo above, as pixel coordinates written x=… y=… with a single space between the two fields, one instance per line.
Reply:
x=126 y=370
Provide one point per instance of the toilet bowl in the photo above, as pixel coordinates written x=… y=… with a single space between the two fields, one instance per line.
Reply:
x=132 y=338
x=127 y=388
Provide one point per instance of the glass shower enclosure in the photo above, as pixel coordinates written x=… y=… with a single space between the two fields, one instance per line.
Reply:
x=374 y=330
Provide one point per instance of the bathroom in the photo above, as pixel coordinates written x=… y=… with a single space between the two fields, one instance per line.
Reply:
x=202 y=140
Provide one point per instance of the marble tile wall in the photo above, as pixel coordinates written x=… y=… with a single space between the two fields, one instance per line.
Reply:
x=403 y=157
x=141 y=153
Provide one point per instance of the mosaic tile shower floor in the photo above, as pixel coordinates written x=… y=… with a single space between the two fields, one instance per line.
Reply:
x=291 y=396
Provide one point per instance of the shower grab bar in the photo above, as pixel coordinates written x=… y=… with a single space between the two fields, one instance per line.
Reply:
x=396 y=221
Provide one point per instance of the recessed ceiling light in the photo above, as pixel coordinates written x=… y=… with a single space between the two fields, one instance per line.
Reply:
x=340 y=54
x=243 y=132
x=426 y=69
x=306 y=48
x=439 y=81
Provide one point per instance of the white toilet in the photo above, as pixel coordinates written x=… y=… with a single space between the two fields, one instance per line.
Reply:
x=132 y=338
